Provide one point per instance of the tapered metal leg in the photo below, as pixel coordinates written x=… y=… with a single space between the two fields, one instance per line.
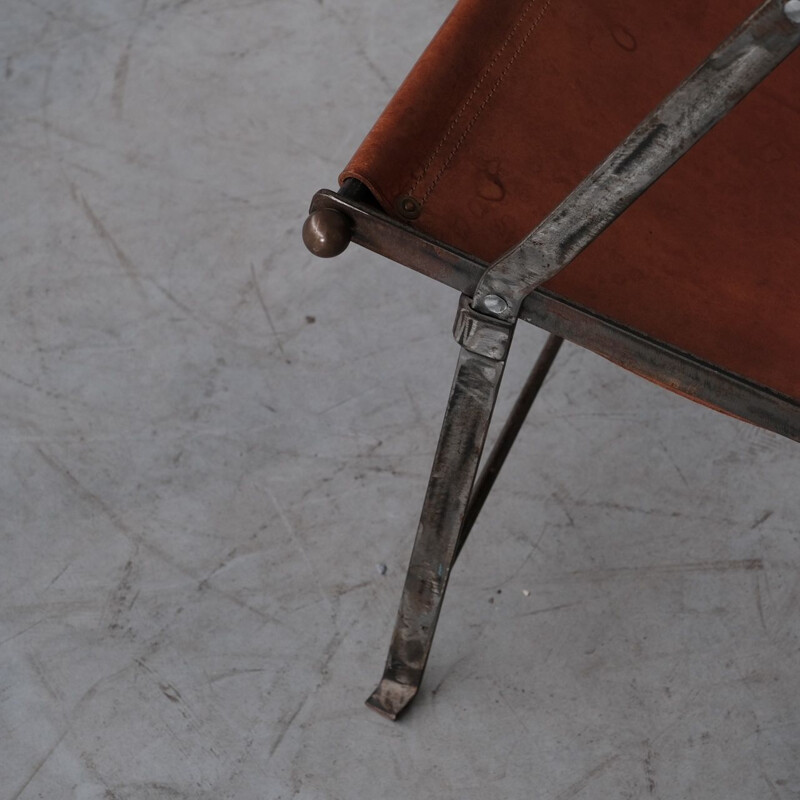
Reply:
x=466 y=422
x=502 y=447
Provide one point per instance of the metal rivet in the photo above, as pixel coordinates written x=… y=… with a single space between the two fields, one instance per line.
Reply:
x=792 y=10
x=494 y=304
x=409 y=207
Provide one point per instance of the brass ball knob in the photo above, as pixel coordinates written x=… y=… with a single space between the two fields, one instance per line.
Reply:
x=326 y=233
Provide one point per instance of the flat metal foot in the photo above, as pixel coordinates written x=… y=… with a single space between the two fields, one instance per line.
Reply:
x=391 y=698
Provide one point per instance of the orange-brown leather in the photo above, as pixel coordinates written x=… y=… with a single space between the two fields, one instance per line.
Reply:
x=515 y=101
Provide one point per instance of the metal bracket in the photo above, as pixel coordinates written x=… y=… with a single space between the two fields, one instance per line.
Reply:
x=481 y=334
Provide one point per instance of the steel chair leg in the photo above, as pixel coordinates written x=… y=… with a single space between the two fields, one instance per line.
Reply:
x=452 y=504
x=466 y=421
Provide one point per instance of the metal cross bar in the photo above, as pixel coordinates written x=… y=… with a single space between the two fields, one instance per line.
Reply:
x=663 y=363
x=502 y=447
x=705 y=97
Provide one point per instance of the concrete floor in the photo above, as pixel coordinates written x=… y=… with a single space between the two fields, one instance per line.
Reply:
x=211 y=440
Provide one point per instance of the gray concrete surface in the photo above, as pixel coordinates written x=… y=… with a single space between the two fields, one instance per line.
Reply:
x=211 y=440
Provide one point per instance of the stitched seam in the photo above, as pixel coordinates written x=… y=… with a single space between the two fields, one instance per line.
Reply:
x=485 y=102
x=465 y=104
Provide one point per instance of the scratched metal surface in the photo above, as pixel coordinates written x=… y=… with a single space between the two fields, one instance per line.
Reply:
x=211 y=440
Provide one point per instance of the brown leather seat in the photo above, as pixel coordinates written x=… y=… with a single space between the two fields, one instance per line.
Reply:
x=515 y=101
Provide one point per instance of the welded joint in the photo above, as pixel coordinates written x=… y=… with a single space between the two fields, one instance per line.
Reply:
x=480 y=333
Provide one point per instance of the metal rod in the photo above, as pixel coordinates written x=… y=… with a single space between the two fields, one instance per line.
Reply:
x=502 y=447
x=704 y=98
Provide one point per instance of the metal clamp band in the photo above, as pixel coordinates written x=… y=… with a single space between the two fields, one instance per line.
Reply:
x=479 y=333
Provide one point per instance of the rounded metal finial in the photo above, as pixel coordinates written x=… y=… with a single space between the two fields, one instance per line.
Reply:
x=792 y=10
x=326 y=233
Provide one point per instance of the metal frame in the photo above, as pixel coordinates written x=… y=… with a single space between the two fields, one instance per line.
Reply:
x=655 y=360
x=495 y=296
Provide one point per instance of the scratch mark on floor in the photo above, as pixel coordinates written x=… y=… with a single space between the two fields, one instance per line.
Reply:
x=656 y=569
x=45 y=103
x=296 y=539
x=267 y=314
x=674 y=463
x=118 y=601
x=39 y=764
x=222 y=564
x=451 y=671
x=19 y=381
x=233 y=673
x=19 y=633
x=359 y=49
x=92 y=499
x=285 y=726
x=576 y=788
x=167 y=688
x=331 y=649
x=181 y=305
x=611 y=506
x=518 y=718
x=102 y=232
x=120 y=78
x=60 y=573
x=88 y=762
x=341 y=591
x=649 y=771
x=772 y=788
x=521 y=566
x=350 y=399
x=41 y=674
x=759 y=604
x=546 y=610
x=87 y=695
x=121 y=70
x=170 y=692
x=563 y=505
x=761 y=520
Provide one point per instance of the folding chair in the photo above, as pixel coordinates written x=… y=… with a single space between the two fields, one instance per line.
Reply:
x=475 y=175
